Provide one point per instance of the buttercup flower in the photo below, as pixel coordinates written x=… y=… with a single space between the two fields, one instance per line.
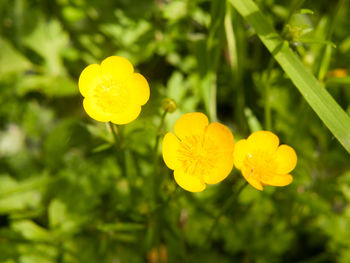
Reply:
x=263 y=162
x=112 y=91
x=199 y=153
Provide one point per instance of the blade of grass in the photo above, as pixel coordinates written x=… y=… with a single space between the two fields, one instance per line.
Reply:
x=332 y=115
x=209 y=52
x=235 y=50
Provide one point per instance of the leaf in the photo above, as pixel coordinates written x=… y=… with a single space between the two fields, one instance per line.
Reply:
x=121 y=227
x=11 y=61
x=50 y=85
x=333 y=116
x=31 y=231
x=11 y=140
x=253 y=122
x=49 y=40
x=16 y=196
x=57 y=213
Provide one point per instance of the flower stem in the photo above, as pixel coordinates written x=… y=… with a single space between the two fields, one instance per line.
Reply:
x=118 y=139
x=159 y=129
x=156 y=218
x=156 y=181
x=267 y=84
x=114 y=131
x=117 y=133
x=229 y=202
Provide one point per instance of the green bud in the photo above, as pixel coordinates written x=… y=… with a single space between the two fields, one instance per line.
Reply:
x=169 y=105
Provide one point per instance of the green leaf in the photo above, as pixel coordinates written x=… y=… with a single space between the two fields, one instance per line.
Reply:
x=306 y=11
x=253 y=122
x=31 y=231
x=11 y=60
x=23 y=195
x=50 y=85
x=121 y=227
x=333 y=116
x=49 y=40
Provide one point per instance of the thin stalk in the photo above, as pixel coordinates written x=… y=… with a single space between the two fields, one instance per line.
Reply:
x=159 y=129
x=156 y=183
x=267 y=85
x=119 y=143
x=235 y=60
x=212 y=101
x=114 y=131
x=326 y=51
x=229 y=202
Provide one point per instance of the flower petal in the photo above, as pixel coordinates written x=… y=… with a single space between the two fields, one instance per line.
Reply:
x=89 y=78
x=286 y=159
x=190 y=124
x=170 y=146
x=130 y=113
x=222 y=169
x=189 y=182
x=252 y=181
x=221 y=136
x=94 y=111
x=139 y=88
x=240 y=153
x=279 y=180
x=263 y=140
x=116 y=67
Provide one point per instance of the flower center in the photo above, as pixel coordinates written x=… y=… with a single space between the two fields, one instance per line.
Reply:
x=110 y=96
x=260 y=164
x=197 y=155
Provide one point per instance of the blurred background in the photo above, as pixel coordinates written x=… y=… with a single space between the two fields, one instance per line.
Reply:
x=65 y=196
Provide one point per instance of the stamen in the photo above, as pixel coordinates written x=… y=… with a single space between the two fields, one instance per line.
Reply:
x=110 y=97
x=197 y=155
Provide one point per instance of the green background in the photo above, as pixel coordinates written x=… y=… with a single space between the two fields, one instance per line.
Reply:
x=68 y=193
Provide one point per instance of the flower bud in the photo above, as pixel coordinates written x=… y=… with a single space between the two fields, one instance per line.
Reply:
x=169 y=105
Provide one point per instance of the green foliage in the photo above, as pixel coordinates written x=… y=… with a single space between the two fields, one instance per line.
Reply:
x=72 y=192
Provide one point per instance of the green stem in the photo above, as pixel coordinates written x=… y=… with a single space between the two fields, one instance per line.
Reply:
x=155 y=150
x=156 y=218
x=117 y=133
x=118 y=139
x=235 y=50
x=229 y=202
x=114 y=131
x=267 y=85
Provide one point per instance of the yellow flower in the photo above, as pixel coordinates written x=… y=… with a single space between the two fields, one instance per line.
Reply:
x=112 y=91
x=263 y=162
x=200 y=153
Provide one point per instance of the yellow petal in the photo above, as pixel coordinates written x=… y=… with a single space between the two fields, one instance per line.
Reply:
x=139 y=88
x=286 y=159
x=221 y=136
x=170 y=146
x=222 y=169
x=189 y=182
x=116 y=67
x=191 y=124
x=263 y=140
x=94 y=111
x=130 y=113
x=240 y=152
x=89 y=78
x=252 y=181
x=279 y=180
